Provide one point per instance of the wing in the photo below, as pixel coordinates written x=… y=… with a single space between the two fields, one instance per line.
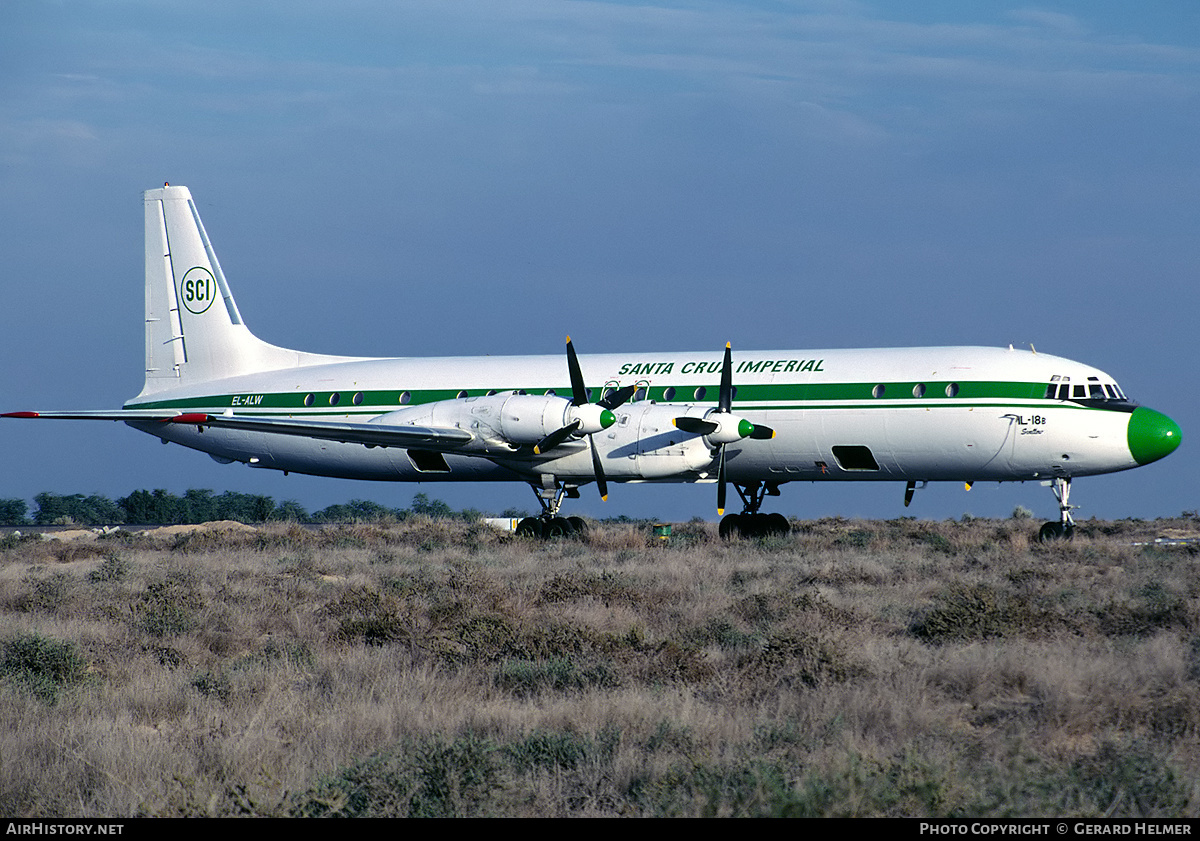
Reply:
x=447 y=439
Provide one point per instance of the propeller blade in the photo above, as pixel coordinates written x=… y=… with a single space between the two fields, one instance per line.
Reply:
x=721 y=482
x=579 y=394
x=601 y=481
x=579 y=397
x=617 y=397
x=699 y=426
x=762 y=433
x=725 y=399
x=555 y=438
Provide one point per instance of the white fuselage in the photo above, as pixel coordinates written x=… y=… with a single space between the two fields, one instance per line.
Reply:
x=926 y=414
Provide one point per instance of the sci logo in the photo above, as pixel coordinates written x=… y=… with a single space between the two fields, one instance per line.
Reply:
x=198 y=290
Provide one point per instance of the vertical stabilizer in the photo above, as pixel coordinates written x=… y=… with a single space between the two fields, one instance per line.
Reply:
x=194 y=332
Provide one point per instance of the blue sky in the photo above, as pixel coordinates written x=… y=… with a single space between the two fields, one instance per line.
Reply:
x=445 y=178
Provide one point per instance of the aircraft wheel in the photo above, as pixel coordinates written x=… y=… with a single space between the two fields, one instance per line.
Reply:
x=1055 y=531
x=777 y=524
x=578 y=526
x=730 y=524
x=530 y=527
x=558 y=527
x=754 y=525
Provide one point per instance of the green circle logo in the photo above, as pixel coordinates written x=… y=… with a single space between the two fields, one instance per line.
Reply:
x=198 y=289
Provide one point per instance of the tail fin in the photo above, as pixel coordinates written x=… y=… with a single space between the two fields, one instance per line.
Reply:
x=194 y=332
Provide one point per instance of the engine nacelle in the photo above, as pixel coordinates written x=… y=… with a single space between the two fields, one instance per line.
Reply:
x=509 y=417
x=645 y=444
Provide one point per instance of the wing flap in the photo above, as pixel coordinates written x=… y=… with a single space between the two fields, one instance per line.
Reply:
x=371 y=434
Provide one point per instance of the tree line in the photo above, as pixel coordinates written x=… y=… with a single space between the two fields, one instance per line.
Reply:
x=161 y=507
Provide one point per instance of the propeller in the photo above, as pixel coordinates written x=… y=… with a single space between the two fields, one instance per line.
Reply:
x=588 y=418
x=723 y=427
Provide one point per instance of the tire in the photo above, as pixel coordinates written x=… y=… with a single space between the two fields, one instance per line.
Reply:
x=578 y=526
x=753 y=525
x=731 y=524
x=778 y=525
x=530 y=527
x=1055 y=531
x=557 y=527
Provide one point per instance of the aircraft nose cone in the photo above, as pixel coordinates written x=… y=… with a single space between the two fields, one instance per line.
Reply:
x=1152 y=435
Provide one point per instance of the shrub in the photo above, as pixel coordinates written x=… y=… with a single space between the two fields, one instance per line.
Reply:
x=112 y=568
x=428 y=778
x=542 y=749
x=1152 y=608
x=48 y=594
x=168 y=606
x=46 y=667
x=975 y=612
x=368 y=616
x=526 y=677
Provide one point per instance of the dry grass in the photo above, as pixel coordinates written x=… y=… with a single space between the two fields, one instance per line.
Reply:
x=436 y=668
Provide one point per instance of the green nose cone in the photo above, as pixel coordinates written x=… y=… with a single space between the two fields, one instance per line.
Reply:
x=1152 y=435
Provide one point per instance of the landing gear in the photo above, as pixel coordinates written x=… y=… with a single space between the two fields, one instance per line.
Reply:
x=548 y=525
x=544 y=529
x=750 y=523
x=1064 y=529
x=754 y=525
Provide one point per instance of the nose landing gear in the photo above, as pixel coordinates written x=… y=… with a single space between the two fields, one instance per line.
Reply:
x=1064 y=529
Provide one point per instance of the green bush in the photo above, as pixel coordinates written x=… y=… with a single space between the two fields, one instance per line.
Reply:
x=976 y=612
x=167 y=607
x=113 y=568
x=429 y=778
x=526 y=677
x=44 y=666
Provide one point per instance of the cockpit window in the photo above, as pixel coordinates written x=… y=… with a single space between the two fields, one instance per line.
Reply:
x=1060 y=388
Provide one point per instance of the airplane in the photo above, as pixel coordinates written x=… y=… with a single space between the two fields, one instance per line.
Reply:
x=911 y=415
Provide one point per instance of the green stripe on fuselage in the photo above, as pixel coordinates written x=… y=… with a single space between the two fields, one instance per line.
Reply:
x=748 y=397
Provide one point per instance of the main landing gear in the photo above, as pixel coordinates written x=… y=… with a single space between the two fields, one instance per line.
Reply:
x=750 y=523
x=548 y=524
x=1064 y=529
